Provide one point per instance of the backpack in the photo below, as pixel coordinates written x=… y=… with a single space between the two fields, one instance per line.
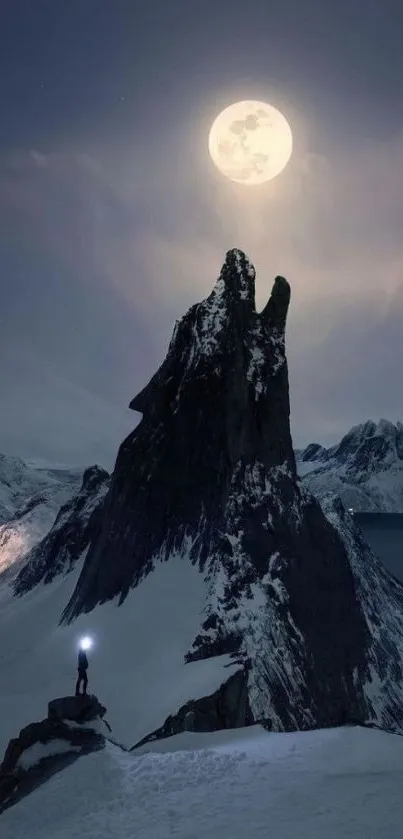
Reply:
x=82 y=660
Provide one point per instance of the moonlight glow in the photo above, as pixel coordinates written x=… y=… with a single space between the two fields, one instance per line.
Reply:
x=85 y=643
x=250 y=142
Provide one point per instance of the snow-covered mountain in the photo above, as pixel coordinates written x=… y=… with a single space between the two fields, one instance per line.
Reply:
x=213 y=575
x=30 y=498
x=365 y=469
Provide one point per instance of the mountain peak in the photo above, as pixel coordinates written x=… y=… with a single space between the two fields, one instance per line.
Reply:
x=219 y=329
x=209 y=476
x=369 y=446
x=386 y=428
x=275 y=311
x=365 y=467
x=218 y=405
x=238 y=275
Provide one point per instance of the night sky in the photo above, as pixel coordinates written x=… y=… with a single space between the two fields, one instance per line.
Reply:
x=113 y=220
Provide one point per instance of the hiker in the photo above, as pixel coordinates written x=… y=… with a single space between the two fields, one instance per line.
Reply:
x=82 y=672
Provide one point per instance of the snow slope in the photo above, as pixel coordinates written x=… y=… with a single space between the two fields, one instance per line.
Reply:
x=323 y=785
x=30 y=498
x=365 y=469
x=137 y=665
x=76 y=523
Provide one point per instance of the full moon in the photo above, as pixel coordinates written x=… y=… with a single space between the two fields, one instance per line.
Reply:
x=250 y=142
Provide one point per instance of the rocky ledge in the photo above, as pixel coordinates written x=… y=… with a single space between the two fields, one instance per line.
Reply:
x=73 y=727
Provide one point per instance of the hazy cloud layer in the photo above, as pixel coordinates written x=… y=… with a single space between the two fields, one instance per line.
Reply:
x=103 y=317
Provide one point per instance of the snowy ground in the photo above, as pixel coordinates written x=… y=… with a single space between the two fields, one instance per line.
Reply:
x=136 y=666
x=332 y=784
x=304 y=467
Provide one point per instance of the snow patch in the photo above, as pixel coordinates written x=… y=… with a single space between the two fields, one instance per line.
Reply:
x=39 y=751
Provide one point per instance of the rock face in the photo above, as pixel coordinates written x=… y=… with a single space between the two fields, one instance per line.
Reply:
x=76 y=524
x=381 y=599
x=365 y=469
x=43 y=748
x=228 y=707
x=30 y=497
x=78 y=708
x=217 y=407
x=291 y=593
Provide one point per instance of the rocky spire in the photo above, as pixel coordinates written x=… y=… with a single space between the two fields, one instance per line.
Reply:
x=219 y=402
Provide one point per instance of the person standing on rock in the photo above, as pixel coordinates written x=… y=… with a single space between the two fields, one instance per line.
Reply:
x=82 y=667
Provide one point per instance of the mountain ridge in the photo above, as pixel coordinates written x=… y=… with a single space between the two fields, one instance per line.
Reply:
x=32 y=495
x=30 y=498
x=365 y=468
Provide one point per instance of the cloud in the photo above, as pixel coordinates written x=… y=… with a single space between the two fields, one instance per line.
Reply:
x=46 y=415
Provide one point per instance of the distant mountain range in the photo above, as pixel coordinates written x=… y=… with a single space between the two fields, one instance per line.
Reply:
x=30 y=498
x=75 y=525
x=365 y=469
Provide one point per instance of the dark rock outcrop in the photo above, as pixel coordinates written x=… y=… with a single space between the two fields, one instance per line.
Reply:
x=43 y=748
x=78 y=708
x=381 y=599
x=218 y=403
x=312 y=452
x=210 y=473
x=76 y=524
x=228 y=707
